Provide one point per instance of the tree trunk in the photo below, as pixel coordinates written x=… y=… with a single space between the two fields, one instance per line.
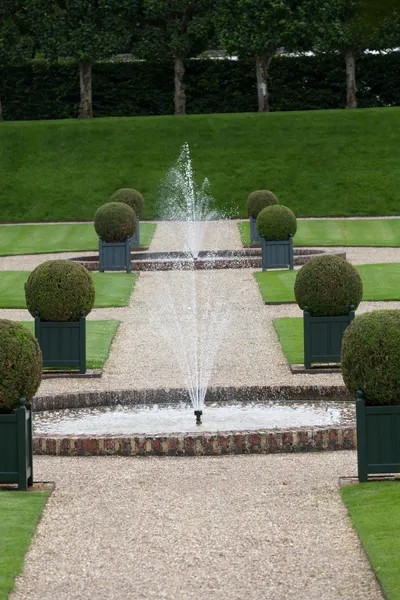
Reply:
x=262 y=65
x=1 y=111
x=179 y=98
x=85 y=78
x=351 y=99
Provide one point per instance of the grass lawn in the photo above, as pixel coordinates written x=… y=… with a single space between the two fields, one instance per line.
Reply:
x=42 y=239
x=381 y=282
x=112 y=289
x=374 y=511
x=99 y=335
x=20 y=512
x=373 y=232
x=319 y=163
x=291 y=338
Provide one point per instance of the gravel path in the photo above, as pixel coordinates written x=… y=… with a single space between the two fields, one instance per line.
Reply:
x=181 y=529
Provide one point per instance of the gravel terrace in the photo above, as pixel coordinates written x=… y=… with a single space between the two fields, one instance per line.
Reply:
x=180 y=529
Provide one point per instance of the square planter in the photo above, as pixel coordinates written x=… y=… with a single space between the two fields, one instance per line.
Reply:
x=16 y=447
x=277 y=254
x=62 y=344
x=115 y=256
x=135 y=239
x=254 y=235
x=323 y=337
x=378 y=439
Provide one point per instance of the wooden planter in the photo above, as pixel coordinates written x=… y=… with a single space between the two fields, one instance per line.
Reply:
x=378 y=438
x=135 y=239
x=323 y=338
x=16 y=447
x=115 y=256
x=254 y=235
x=277 y=254
x=62 y=344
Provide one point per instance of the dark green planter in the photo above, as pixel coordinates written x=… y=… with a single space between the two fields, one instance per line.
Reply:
x=277 y=254
x=16 y=447
x=254 y=235
x=323 y=338
x=135 y=239
x=115 y=256
x=378 y=439
x=62 y=344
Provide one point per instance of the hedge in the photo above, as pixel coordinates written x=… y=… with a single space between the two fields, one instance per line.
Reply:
x=41 y=91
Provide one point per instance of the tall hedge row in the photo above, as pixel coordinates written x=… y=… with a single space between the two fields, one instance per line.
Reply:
x=39 y=91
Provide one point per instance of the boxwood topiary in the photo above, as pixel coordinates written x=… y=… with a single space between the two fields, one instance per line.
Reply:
x=20 y=365
x=276 y=222
x=371 y=356
x=115 y=222
x=328 y=286
x=131 y=197
x=258 y=200
x=59 y=290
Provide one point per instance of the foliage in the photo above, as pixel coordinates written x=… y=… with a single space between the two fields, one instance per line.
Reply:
x=131 y=197
x=276 y=222
x=258 y=200
x=371 y=356
x=20 y=365
x=16 y=43
x=115 y=222
x=59 y=290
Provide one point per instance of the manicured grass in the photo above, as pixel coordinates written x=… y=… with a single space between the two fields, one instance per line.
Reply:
x=291 y=338
x=42 y=239
x=366 y=232
x=99 y=336
x=112 y=289
x=374 y=511
x=19 y=514
x=381 y=282
x=319 y=163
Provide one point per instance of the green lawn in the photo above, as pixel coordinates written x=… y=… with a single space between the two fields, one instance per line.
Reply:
x=20 y=512
x=381 y=282
x=366 y=232
x=374 y=511
x=41 y=239
x=99 y=336
x=112 y=289
x=319 y=163
x=291 y=338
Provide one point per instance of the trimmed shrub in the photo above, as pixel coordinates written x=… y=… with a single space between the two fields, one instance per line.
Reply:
x=115 y=222
x=59 y=290
x=131 y=197
x=371 y=356
x=258 y=200
x=20 y=365
x=327 y=286
x=276 y=222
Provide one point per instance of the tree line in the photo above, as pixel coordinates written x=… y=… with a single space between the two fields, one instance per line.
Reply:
x=174 y=31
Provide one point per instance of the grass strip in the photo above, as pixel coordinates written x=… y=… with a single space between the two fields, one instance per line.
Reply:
x=291 y=337
x=20 y=512
x=374 y=510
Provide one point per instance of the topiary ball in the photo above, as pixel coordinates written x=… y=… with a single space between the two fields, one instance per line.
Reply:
x=371 y=356
x=276 y=222
x=258 y=200
x=59 y=290
x=20 y=365
x=328 y=286
x=115 y=222
x=131 y=197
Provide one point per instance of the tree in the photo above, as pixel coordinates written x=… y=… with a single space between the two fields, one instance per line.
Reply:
x=259 y=28
x=175 y=30
x=84 y=30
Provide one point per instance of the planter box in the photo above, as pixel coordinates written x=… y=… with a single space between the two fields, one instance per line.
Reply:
x=115 y=256
x=277 y=255
x=378 y=439
x=62 y=344
x=323 y=338
x=254 y=235
x=16 y=447
x=135 y=239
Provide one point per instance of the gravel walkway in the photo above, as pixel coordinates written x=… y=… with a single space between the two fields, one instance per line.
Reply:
x=181 y=529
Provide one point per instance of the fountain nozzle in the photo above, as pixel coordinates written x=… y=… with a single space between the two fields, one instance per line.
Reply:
x=198 y=414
